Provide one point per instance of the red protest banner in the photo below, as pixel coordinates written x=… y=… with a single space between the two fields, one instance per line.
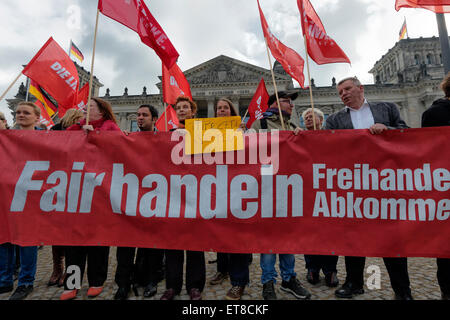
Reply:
x=258 y=105
x=321 y=194
x=135 y=15
x=53 y=70
x=438 y=6
x=174 y=84
x=290 y=60
x=321 y=48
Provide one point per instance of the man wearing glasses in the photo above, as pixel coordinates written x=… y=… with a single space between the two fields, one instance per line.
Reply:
x=271 y=120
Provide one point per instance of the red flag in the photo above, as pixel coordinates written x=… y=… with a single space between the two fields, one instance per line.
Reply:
x=135 y=15
x=174 y=84
x=55 y=72
x=321 y=48
x=172 y=120
x=258 y=105
x=438 y=6
x=81 y=101
x=290 y=60
x=45 y=118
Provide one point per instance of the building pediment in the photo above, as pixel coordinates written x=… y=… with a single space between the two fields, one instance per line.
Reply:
x=224 y=70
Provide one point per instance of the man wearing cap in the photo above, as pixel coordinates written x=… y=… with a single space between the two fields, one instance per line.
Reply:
x=377 y=117
x=271 y=120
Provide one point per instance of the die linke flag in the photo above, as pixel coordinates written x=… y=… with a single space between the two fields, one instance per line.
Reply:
x=258 y=105
x=47 y=104
x=174 y=84
x=290 y=60
x=135 y=15
x=76 y=52
x=321 y=48
x=438 y=6
x=52 y=68
x=172 y=120
x=81 y=101
x=45 y=117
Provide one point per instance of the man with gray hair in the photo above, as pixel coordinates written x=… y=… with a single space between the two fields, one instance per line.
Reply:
x=377 y=117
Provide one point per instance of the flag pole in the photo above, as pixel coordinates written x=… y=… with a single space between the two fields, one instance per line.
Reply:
x=310 y=88
x=10 y=86
x=165 y=115
x=92 y=68
x=406 y=26
x=274 y=85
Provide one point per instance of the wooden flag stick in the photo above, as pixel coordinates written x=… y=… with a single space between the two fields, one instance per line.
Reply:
x=275 y=86
x=310 y=89
x=165 y=115
x=92 y=69
x=243 y=118
x=10 y=86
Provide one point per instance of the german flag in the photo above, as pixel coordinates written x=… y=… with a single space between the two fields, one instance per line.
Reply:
x=403 y=31
x=41 y=96
x=76 y=52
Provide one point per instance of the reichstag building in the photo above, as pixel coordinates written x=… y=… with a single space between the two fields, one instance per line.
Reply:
x=409 y=75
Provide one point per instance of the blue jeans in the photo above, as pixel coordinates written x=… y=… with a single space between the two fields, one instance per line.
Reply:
x=267 y=262
x=28 y=262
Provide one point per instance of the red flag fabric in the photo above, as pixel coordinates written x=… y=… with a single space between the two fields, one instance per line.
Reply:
x=258 y=104
x=438 y=6
x=82 y=97
x=55 y=72
x=381 y=199
x=135 y=15
x=174 y=84
x=290 y=60
x=172 y=120
x=44 y=118
x=321 y=48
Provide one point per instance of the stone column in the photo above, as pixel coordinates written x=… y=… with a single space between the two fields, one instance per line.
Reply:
x=210 y=107
x=123 y=120
x=235 y=101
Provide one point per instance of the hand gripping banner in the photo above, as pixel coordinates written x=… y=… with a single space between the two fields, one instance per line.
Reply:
x=341 y=192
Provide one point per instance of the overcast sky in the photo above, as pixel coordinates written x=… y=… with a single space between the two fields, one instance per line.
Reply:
x=200 y=30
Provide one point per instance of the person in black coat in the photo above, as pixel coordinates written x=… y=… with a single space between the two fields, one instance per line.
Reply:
x=438 y=115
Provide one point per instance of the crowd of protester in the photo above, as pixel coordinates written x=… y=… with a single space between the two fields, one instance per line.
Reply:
x=150 y=266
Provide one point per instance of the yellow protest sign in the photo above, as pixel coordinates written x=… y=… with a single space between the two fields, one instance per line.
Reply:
x=207 y=135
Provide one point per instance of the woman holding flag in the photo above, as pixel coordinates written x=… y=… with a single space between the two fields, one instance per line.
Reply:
x=101 y=118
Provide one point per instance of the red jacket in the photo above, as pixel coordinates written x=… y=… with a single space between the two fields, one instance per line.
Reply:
x=101 y=125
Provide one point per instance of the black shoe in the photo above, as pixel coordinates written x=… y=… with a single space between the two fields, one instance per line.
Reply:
x=21 y=292
x=150 y=290
x=331 y=279
x=6 y=289
x=312 y=277
x=293 y=286
x=348 y=290
x=404 y=296
x=269 y=291
x=122 y=293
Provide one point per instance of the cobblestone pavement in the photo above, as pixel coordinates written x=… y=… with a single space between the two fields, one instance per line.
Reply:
x=422 y=273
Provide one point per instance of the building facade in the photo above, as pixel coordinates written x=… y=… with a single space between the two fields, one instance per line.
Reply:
x=409 y=75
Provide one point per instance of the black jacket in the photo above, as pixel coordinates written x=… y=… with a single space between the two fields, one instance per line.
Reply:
x=438 y=114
